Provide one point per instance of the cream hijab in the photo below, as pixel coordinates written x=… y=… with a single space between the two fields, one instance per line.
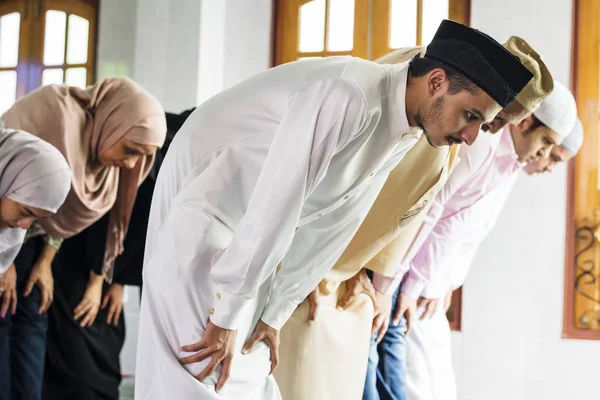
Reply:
x=82 y=124
x=33 y=173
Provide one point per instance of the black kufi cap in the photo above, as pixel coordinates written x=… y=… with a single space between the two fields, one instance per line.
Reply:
x=481 y=59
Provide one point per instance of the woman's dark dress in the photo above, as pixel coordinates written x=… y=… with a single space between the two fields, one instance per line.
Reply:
x=83 y=363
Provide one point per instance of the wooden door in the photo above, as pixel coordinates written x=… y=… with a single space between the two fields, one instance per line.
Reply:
x=408 y=23
x=43 y=42
x=66 y=51
x=13 y=45
x=320 y=28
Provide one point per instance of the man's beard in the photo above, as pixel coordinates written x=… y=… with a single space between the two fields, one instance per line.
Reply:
x=433 y=113
x=428 y=137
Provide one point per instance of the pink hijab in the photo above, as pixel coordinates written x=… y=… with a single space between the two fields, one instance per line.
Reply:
x=82 y=124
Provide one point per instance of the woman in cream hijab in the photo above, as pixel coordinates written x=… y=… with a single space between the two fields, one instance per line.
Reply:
x=108 y=133
x=34 y=182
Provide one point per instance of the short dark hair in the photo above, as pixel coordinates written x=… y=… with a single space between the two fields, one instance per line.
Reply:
x=535 y=123
x=421 y=66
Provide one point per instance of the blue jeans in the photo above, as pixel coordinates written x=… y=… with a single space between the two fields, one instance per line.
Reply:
x=23 y=338
x=386 y=372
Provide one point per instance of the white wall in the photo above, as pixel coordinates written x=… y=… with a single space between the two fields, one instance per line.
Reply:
x=511 y=345
x=168 y=49
x=116 y=38
x=188 y=50
x=247 y=39
x=235 y=43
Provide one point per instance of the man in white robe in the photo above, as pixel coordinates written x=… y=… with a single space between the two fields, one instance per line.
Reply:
x=281 y=170
x=430 y=374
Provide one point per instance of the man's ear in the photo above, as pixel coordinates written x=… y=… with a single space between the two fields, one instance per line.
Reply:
x=526 y=123
x=437 y=82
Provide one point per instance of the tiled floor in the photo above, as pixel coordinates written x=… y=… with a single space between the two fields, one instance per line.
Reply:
x=126 y=389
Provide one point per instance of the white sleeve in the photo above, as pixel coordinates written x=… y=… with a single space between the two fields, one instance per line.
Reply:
x=299 y=274
x=320 y=120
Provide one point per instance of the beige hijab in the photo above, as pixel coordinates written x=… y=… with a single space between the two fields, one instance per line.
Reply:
x=82 y=124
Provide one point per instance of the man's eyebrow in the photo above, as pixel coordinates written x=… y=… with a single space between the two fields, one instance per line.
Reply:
x=478 y=113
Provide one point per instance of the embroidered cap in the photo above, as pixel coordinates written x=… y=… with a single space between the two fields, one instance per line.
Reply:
x=481 y=59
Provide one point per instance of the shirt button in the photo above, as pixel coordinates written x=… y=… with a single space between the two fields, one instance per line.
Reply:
x=296 y=228
x=372 y=173
x=319 y=215
x=218 y=296
x=212 y=311
x=425 y=202
x=346 y=197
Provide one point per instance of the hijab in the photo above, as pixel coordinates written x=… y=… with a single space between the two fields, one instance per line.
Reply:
x=82 y=124
x=33 y=173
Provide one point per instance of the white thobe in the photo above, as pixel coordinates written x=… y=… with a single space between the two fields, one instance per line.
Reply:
x=429 y=369
x=283 y=166
x=430 y=373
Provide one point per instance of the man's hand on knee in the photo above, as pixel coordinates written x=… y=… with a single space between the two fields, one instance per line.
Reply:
x=359 y=283
x=383 y=310
x=405 y=306
x=217 y=343
x=430 y=306
x=313 y=305
x=271 y=338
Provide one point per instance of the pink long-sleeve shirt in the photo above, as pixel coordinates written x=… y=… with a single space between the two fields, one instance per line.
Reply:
x=488 y=163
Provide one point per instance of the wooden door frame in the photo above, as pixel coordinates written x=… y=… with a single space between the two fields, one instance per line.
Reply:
x=584 y=52
x=280 y=49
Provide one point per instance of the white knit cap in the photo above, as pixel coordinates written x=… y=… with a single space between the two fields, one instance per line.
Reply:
x=558 y=111
x=574 y=141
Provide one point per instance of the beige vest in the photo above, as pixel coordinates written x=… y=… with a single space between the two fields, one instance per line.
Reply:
x=387 y=260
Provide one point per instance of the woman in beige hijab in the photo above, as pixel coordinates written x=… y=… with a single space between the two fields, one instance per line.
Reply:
x=108 y=133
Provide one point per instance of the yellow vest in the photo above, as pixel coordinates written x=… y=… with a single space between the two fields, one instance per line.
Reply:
x=399 y=208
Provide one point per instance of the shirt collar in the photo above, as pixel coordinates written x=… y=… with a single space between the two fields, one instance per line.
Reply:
x=506 y=154
x=398 y=79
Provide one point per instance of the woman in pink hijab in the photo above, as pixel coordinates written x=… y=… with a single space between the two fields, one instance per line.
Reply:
x=108 y=133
